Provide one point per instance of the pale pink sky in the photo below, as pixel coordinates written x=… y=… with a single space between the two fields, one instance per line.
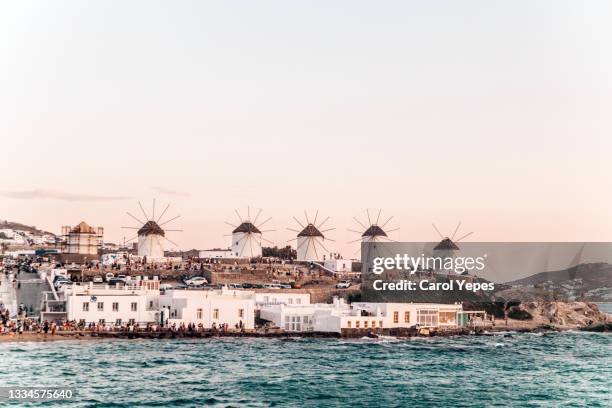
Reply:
x=497 y=114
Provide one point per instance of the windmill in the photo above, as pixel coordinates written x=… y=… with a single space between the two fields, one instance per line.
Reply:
x=247 y=235
x=372 y=232
x=447 y=247
x=150 y=234
x=310 y=237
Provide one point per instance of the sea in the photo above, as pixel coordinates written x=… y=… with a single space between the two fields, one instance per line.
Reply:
x=565 y=369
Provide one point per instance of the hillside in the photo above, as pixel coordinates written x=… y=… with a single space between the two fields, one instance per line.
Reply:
x=586 y=281
x=22 y=227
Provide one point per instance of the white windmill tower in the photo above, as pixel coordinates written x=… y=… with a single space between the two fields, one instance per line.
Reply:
x=309 y=238
x=151 y=236
x=372 y=233
x=247 y=237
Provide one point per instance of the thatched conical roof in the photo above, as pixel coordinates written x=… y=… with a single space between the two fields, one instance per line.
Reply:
x=248 y=228
x=446 y=243
x=374 y=231
x=151 y=228
x=310 y=231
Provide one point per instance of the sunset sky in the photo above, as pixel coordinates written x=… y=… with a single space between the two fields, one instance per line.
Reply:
x=498 y=114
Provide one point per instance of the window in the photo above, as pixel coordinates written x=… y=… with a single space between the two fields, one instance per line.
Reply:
x=266 y=299
x=406 y=317
x=86 y=306
x=365 y=324
x=101 y=321
x=199 y=314
x=395 y=317
x=100 y=306
x=427 y=317
x=118 y=322
x=448 y=317
x=373 y=324
x=115 y=306
x=82 y=322
x=298 y=301
x=134 y=306
x=132 y=322
x=241 y=313
x=215 y=313
x=380 y=324
x=150 y=304
x=348 y=324
x=356 y=324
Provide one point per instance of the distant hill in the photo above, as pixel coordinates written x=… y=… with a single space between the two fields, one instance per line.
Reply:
x=591 y=281
x=22 y=227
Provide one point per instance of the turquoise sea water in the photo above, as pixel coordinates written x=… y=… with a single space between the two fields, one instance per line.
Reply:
x=553 y=369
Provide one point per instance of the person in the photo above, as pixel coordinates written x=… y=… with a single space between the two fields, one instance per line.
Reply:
x=46 y=327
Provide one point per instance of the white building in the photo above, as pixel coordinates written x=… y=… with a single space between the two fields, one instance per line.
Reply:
x=151 y=241
x=217 y=254
x=82 y=239
x=206 y=307
x=339 y=316
x=101 y=304
x=339 y=265
x=277 y=298
x=246 y=241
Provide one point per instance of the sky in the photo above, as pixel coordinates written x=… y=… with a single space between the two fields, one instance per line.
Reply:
x=495 y=114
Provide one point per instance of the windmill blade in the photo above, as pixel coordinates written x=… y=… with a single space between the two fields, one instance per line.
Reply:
x=322 y=246
x=314 y=246
x=355 y=231
x=294 y=230
x=251 y=246
x=143 y=211
x=465 y=236
x=324 y=221
x=299 y=245
x=296 y=220
x=257 y=216
x=289 y=240
x=359 y=222
x=128 y=213
x=437 y=230
x=238 y=214
x=456 y=229
x=173 y=230
x=131 y=228
x=172 y=242
x=162 y=214
x=329 y=239
x=306 y=214
x=329 y=229
x=170 y=220
x=314 y=222
x=386 y=222
x=394 y=229
x=260 y=225
x=131 y=239
x=355 y=240
x=268 y=241
x=368 y=214
x=267 y=231
x=378 y=217
x=153 y=213
x=231 y=225
x=248 y=212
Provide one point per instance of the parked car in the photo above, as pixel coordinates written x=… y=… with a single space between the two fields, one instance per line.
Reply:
x=61 y=282
x=247 y=285
x=284 y=286
x=109 y=276
x=234 y=286
x=271 y=286
x=343 y=285
x=195 y=281
x=97 y=279
x=165 y=286
x=115 y=281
